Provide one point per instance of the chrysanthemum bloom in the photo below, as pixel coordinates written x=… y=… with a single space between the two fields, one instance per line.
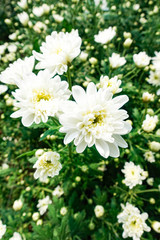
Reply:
x=99 y=211
x=58 y=51
x=47 y=165
x=133 y=222
x=116 y=61
x=156 y=226
x=17 y=70
x=16 y=236
x=154 y=146
x=95 y=118
x=39 y=96
x=23 y=18
x=2 y=229
x=43 y=204
x=58 y=191
x=23 y=4
x=149 y=156
x=154 y=78
x=17 y=205
x=133 y=174
x=113 y=84
x=141 y=59
x=105 y=36
x=147 y=97
x=149 y=124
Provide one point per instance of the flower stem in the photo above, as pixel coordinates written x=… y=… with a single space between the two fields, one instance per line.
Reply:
x=149 y=190
x=69 y=78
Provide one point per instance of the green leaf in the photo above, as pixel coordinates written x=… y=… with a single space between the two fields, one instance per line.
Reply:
x=30 y=153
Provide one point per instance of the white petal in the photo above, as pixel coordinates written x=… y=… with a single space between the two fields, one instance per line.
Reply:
x=120 y=100
x=120 y=141
x=70 y=136
x=28 y=120
x=78 y=93
x=114 y=150
x=91 y=89
x=102 y=148
x=81 y=147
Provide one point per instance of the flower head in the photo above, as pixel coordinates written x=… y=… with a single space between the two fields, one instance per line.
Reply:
x=58 y=191
x=39 y=96
x=113 y=84
x=23 y=18
x=2 y=229
x=43 y=204
x=17 y=205
x=99 y=211
x=154 y=78
x=149 y=156
x=141 y=59
x=95 y=118
x=16 y=236
x=149 y=124
x=47 y=165
x=17 y=70
x=116 y=61
x=133 y=174
x=105 y=36
x=58 y=51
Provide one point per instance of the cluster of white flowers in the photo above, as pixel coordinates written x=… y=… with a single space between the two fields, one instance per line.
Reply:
x=2 y=229
x=58 y=51
x=113 y=84
x=95 y=119
x=133 y=174
x=149 y=124
x=47 y=165
x=43 y=204
x=105 y=36
x=133 y=222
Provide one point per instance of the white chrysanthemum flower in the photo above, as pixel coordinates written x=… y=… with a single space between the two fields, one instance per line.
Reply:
x=154 y=146
x=99 y=211
x=38 y=11
x=156 y=226
x=116 y=61
x=133 y=222
x=35 y=216
x=17 y=70
x=23 y=4
x=16 y=236
x=63 y=211
x=58 y=191
x=112 y=84
x=3 y=88
x=58 y=51
x=47 y=165
x=2 y=49
x=154 y=78
x=133 y=174
x=43 y=204
x=102 y=3
x=95 y=118
x=23 y=18
x=141 y=59
x=127 y=43
x=39 y=96
x=156 y=61
x=2 y=229
x=149 y=156
x=147 y=97
x=58 y=18
x=149 y=124
x=17 y=205
x=105 y=36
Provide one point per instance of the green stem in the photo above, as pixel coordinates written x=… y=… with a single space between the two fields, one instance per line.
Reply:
x=149 y=190
x=70 y=151
x=69 y=78
x=129 y=72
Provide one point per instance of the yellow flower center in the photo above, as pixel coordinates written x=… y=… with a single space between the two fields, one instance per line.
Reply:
x=39 y=95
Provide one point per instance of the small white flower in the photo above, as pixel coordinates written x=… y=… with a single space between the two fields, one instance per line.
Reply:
x=127 y=43
x=112 y=84
x=3 y=89
x=156 y=61
x=43 y=204
x=105 y=36
x=23 y=18
x=103 y=4
x=63 y=211
x=99 y=211
x=83 y=56
x=156 y=226
x=147 y=97
x=95 y=118
x=35 y=216
x=58 y=191
x=149 y=124
x=127 y=35
x=154 y=78
x=133 y=174
x=141 y=59
x=58 y=51
x=2 y=229
x=16 y=236
x=12 y=48
x=150 y=181
x=13 y=36
x=39 y=222
x=5 y=166
x=39 y=96
x=39 y=152
x=17 y=205
x=17 y=70
x=47 y=165
x=2 y=49
x=133 y=222
x=39 y=27
x=38 y=11
x=23 y=4
x=46 y=8
x=136 y=7
x=154 y=146
x=116 y=61
x=93 y=60
x=58 y=18
x=149 y=156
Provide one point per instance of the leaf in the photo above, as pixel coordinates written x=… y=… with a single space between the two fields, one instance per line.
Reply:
x=49 y=132
x=30 y=153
